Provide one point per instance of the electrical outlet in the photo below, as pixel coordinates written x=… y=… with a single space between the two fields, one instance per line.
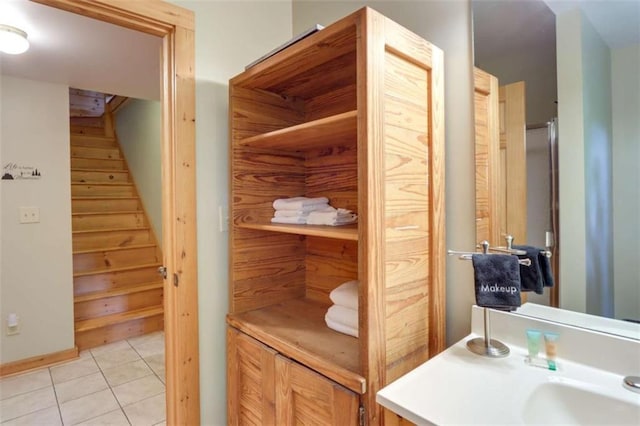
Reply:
x=223 y=218
x=29 y=215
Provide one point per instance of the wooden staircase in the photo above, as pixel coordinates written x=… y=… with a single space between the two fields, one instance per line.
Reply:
x=117 y=289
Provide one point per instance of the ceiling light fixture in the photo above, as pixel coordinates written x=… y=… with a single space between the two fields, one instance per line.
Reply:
x=13 y=40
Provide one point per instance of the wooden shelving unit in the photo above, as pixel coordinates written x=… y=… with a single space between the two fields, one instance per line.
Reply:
x=353 y=113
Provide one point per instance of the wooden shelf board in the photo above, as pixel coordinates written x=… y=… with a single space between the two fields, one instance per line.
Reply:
x=327 y=131
x=342 y=232
x=296 y=328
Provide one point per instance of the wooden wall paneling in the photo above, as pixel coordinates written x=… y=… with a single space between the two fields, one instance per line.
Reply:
x=176 y=26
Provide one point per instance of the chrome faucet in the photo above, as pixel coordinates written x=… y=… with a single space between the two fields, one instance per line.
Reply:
x=632 y=383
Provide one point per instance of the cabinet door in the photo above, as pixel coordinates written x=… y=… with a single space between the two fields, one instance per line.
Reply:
x=304 y=397
x=250 y=380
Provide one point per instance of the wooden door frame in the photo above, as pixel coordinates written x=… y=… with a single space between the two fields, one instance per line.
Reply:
x=176 y=26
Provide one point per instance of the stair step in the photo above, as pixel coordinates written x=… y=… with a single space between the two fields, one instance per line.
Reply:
x=115 y=257
x=95 y=175
x=120 y=300
x=103 y=189
x=103 y=204
x=90 y=126
x=97 y=163
x=84 y=283
x=99 y=331
x=111 y=153
x=93 y=140
x=117 y=292
x=100 y=271
x=107 y=220
x=101 y=238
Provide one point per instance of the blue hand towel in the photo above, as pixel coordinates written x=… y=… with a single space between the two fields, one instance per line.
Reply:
x=497 y=281
x=545 y=269
x=531 y=277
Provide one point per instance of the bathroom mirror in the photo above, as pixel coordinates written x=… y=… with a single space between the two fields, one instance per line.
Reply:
x=596 y=86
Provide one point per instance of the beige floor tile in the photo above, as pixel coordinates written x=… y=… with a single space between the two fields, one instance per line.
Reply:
x=117 y=357
x=115 y=346
x=49 y=417
x=23 y=383
x=139 y=340
x=127 y=372
x=156 y=362
x=112 y=418
x=150 y=347
x=74 y=369
x=88 y=407
x=138 y=390
x=27 y=403
x=79 y=387
x=147 y=412
x=161 y=424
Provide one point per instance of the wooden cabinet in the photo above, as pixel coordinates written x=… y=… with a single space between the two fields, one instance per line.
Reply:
x=353 y=112
x=268 y=389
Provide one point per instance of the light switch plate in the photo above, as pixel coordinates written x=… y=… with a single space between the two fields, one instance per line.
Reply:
x=29 y=215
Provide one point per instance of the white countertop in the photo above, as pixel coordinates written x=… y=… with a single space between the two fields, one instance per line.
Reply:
x=460 y=387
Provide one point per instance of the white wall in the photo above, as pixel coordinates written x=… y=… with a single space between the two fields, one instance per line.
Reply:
x=138 y=128
x=229 y=35
x=36 y=279
x=447 y=24
x=625 y=90
x=584 y=151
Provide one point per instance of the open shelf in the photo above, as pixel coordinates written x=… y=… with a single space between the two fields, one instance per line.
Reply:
x=296 y=328
x=328 y=131
x=342 y=232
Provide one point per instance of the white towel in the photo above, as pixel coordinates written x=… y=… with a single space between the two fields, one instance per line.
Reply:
x=302 y=212
x=341 y=328
x=331 y=217
x=346 y=295
x=296 y=220
x=344 y=316
x=297 y=203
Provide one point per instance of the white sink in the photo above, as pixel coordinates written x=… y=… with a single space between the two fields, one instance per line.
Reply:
x=460 y=387
x=575 y=403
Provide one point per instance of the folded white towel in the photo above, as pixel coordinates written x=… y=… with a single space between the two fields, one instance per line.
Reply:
x=302 y=212
x=297 y=203
x=331 y=217
x=344 y=316
x=346 y=295
x=341 y=328
x=296 y=220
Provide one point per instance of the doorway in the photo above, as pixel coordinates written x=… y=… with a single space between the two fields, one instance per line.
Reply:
x=175 y=26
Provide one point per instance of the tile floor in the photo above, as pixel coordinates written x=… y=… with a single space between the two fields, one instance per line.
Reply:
x=121 y=383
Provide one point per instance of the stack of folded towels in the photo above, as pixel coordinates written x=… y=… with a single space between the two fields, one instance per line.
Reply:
x=342 y=316
x=311 y=211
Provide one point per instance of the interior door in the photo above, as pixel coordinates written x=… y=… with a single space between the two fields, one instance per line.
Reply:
x=487 y=152
x=501 y=163
x=513 y=163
